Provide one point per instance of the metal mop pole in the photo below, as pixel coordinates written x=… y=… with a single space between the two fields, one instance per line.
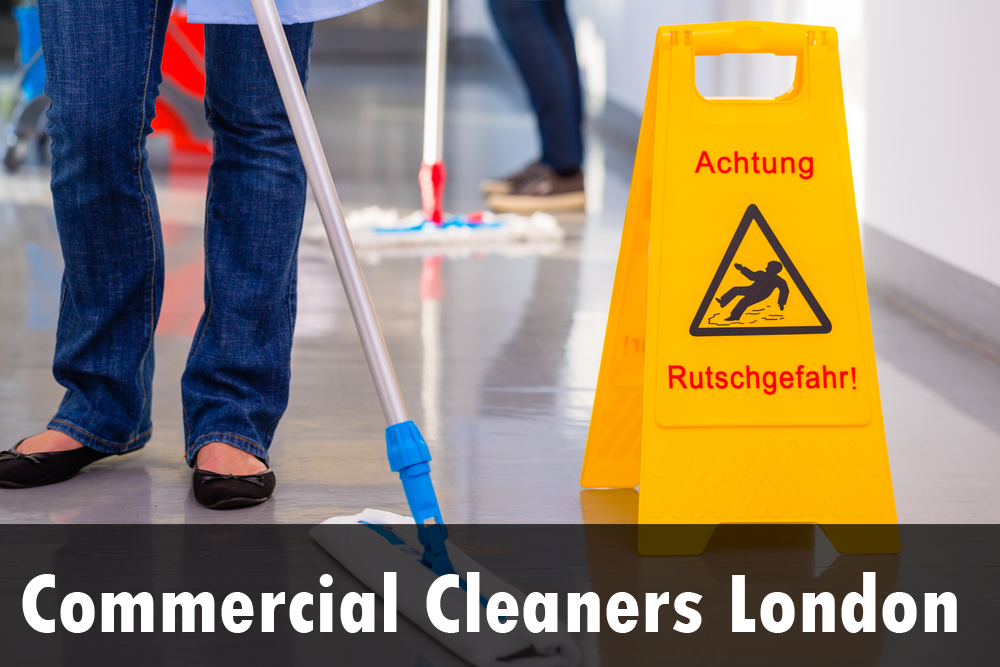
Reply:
x=408 y=452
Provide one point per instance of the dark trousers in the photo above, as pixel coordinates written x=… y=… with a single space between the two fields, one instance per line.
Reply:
x=539 y=36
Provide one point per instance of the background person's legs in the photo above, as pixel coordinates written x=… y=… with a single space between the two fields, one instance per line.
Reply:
x=103 y=68
x=555 y=11
x=540 y=39
x=235 y=387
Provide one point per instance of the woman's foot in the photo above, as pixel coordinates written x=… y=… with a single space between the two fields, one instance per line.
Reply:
x=49 y=441
x=226 y=478
x=218 y=457
x=47 y=458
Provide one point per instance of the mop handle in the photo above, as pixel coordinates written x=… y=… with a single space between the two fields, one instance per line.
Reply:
x=437 y=45
x=321 y=180
x=408 y=452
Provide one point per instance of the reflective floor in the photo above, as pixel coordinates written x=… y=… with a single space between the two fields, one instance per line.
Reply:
x=497 y=354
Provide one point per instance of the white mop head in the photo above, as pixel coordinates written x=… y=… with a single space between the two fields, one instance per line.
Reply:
x=367 y=554
x=376 y=517
x=377 y=229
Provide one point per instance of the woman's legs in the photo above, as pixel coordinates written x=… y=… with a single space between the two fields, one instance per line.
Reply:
x=103 y=68
x=235 y=387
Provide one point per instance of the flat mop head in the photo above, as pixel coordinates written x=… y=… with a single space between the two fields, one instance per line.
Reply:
x=380 y=542
x=375 y=229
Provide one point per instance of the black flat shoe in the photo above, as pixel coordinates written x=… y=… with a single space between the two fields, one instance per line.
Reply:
x=226 y=492
x=24 y=471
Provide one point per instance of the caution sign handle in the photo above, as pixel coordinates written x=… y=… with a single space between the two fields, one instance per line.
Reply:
x=781 y=39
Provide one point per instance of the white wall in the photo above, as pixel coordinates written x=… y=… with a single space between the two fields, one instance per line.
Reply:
x=933 y=101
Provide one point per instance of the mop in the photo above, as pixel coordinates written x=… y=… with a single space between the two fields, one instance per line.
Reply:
x=374 y=228
x=367 y=549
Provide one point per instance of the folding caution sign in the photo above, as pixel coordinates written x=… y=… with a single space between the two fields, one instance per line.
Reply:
x=738 y=380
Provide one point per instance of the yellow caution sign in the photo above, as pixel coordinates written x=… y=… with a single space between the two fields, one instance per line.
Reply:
x=738 y=379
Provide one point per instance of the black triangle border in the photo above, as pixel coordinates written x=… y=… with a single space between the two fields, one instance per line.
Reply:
x=753 y=214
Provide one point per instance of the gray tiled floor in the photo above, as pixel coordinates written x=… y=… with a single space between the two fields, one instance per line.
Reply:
x=500 y=372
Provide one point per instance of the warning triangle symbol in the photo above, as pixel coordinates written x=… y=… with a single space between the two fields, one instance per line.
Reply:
x=757 y=291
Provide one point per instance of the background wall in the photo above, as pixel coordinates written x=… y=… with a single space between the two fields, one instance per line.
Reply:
x=934 y=137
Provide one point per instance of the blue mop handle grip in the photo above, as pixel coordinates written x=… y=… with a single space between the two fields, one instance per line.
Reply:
x=410 y=457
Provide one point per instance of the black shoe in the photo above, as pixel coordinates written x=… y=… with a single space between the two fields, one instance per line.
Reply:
x=24 y=471
x=226 y=492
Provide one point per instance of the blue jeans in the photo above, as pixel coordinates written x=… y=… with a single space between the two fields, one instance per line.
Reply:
x=538 y=35
x=103 y=62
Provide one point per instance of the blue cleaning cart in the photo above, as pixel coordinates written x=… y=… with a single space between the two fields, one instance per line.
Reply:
x=26 y=128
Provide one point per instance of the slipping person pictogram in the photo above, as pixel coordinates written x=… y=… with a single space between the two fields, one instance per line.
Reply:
x=755 y=243
x=764 y=284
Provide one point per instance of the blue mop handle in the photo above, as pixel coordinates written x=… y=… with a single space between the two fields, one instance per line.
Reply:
x=410 y=457
x=408 y=452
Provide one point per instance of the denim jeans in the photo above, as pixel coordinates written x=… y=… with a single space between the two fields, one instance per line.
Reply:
x=103 y=62
x=538 y=35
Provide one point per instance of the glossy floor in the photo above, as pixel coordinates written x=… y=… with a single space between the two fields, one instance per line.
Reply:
x=498 y=366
